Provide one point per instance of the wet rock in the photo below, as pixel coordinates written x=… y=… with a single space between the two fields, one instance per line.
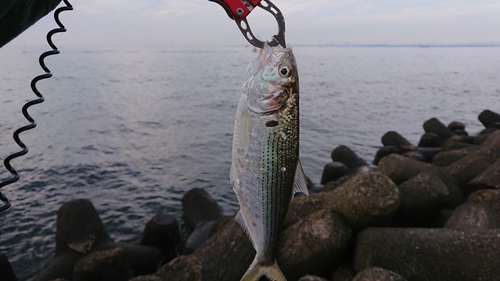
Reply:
x=79 y=228
x=456 y=142
x=455 y=125
x=395 y=139
x=312 y=278
x=428 y=153
x=378 y=274
x=103 y=266
x=467 y=168
x=435 y=126
x=330 y=186
x=313 y=244
x=415 y=155
x=495 y=125
x=473 y=216
x=429 y=140
x=61 y=267
x=421 y=254
x=142 y=259
x=480 y=139
x=488 y=179
x=487 y=117
x=183 y=268
x=488 y=197
x=344 y=272
x=198 y=206
x=353 y=162
x=333 y=171
x=197 y=238
x=445 y=158
x=421 y=199
x=162 y=232
x=367 y=199
x=492 y=140
x=6 y=270
x=461 y=133
x=384 y=151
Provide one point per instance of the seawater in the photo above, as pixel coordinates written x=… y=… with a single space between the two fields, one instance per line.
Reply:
x=133 y=128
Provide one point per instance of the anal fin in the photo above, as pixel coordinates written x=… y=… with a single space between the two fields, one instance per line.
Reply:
x=299 y=184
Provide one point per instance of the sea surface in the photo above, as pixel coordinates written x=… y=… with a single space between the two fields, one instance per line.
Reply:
x=133 y=128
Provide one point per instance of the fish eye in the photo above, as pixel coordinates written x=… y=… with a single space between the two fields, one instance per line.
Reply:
x=285 y=71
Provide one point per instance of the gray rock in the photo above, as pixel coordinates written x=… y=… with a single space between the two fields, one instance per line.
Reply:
x=401 y=169
x=61 y=267
x=456 y=125
x=198 y=207
x=330 y=186
x=333 y=171
x=199 y=236
x=487 y=117
x=344 y=272
x=428 y=152
x=429 y=140
x=103 y=266
x=421 y=254
x=488 y=179
x=183 y=268
x=415 y=155
x=492 y=140
x=367 y=199
x=162 y=232
x=312 y=278
x=313 y=244
x=461 y=133
x=6 y=269
x=395 y=139
x=378 y=274
x=435 y=126
x=456 y=142
x=421 y=199
x=473 y=216
x=488 y=197
x=468 y=167
x=345 y=155
x=445 y=158
x=384 y=151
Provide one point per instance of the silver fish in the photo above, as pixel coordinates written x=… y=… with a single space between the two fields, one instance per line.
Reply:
x=265 y=170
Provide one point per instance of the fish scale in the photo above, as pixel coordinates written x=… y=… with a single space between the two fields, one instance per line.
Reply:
x=265 y=169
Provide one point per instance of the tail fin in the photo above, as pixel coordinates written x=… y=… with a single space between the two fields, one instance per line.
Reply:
x=255 y=271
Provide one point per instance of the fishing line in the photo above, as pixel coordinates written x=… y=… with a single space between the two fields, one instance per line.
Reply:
x=40 y=99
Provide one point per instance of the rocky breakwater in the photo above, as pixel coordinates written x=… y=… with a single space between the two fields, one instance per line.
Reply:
x=425 y=212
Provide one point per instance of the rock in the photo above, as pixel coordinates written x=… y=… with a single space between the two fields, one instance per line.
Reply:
x=60 y=268
x=429 y=140
x=142 y=259
x=353 y=162
x=421 y=199
x=473 y=216
x=488 y=197
x=162 y=232
x=495 y=125
x=435 y=126
x=488 y=179
x=103 y=266
x=344 y=272
x=487 y=117
x=493 y=140
x=333 y=171
x=79 y=228
x=198 y=206
x=183 y=268
x=384 y=151
x=480 y=139
x=428 y=152
x=367 y=199
x=313 y=244
x=401 y=169
x=421 y=254
x=461 y=133
x=467 y=168
x=455 y=125
x=445 y=158
x=378 y=274
x=199 y=236
x=415 y=155
x=6 y=270
x=395 y=139
x=456 y=142
x=312 y=278
x=330 y=186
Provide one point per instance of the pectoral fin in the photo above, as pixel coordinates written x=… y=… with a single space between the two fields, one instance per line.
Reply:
x=300 y=185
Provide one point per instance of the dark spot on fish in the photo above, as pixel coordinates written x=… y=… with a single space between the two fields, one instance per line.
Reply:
x=272 y=123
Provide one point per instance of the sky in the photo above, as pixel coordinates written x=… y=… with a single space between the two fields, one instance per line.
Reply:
x=200 y=22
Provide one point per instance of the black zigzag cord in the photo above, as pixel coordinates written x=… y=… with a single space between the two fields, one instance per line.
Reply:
x=40 y=99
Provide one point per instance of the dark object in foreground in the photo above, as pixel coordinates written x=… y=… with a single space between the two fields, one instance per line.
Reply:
x=6 y=269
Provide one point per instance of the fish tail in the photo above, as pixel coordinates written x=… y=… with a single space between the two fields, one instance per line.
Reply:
x=256 y=270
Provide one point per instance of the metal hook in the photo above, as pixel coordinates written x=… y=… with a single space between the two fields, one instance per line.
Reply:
x=238 y=10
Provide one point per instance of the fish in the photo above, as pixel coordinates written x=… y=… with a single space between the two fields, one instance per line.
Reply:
x=266 y=172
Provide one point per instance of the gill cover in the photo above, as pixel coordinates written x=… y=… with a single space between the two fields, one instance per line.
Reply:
x=270 y=79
